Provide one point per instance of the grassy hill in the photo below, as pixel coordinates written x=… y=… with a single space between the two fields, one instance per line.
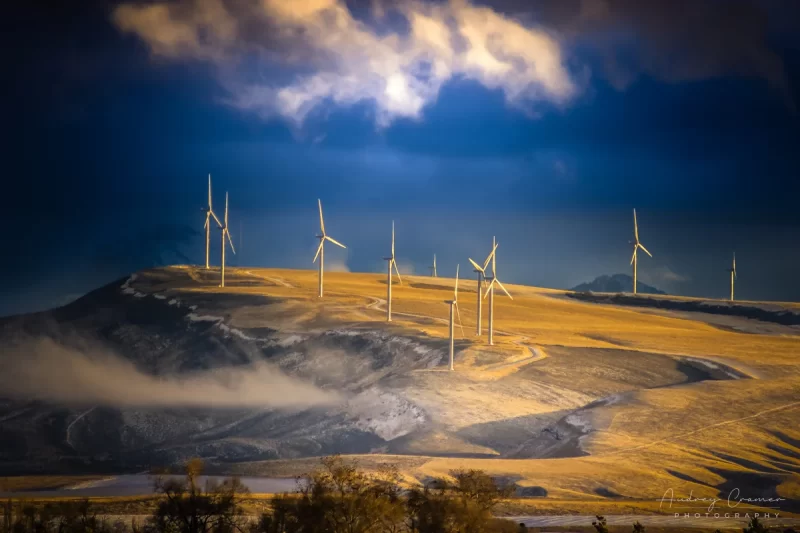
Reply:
x=578 y=400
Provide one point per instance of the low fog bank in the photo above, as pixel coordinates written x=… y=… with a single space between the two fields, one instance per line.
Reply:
x=43 y=369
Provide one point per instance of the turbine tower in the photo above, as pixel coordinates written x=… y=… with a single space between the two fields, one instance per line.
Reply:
x=490 y=290
x=391 y=262
x=636 y=245
x=321 y=250
x=209 y=214
x=454 y=305
x=433 y=267
x=732 y=270
x=225 y=233
x=481 y=271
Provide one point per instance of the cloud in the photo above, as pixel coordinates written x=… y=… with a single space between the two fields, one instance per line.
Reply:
x=336 y=265
x=663 y=275
x=48 y=371
x=406 y=268
x=332 y=56
x=672 y=40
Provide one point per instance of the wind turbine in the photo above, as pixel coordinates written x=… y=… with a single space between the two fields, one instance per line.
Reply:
x=225 y=233
x=732 y=270
x=209 y=214
x=321 y=250
x=490 y=290
x=636 y=245
x=454 y=305
x=392 y=262
x=433 y=267
x=481 y=271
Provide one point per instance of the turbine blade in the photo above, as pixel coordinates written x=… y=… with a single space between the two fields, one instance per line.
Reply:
x=337 y=243
x=398 y=271
x=205 y=226
x=226 y=209
x=393 y=240
x=458 y=314
x=476 y=265
x=494 y=256
x=213 y=214
x=635 y=226
x=321 y=222
x=645 y=250
x=228 y=234
x=490 y=256
x=504 y=289
x=209 y=191
x=319 y=249
x=633 y=257
x=489 y=288
x=455 y=291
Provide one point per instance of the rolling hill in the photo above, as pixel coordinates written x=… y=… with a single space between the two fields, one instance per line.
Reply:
x=576 y=400
x=615 y=283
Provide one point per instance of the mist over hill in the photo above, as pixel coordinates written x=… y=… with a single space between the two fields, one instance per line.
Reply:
x=615 y=283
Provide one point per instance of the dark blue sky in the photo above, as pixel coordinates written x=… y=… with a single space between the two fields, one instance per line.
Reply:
x=685 y=112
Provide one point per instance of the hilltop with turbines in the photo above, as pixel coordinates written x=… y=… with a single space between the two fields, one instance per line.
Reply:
x=574 y=395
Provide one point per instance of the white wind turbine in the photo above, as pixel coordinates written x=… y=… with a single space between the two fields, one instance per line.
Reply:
x=481 y=271
x=732 y=270
x=321 y=250
x=433 y=267
x=490 y=290
x=225 y=233
x=636 y=245
x=391 y=262
x=454 y=305
x=209 y=214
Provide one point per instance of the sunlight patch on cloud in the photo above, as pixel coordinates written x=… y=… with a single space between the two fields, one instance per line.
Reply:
x=341 y=59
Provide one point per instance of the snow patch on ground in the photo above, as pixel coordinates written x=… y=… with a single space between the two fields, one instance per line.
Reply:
x=237 y=332
x=203 y=318
x=709 y=364
x=580 y=421
x=385 y=414
x=609 y=400
x=218 y=320
x=159 y=297
x=290 y=340
x=713 y=366
x=127 y=289
x=345 y=332
x=174 y=301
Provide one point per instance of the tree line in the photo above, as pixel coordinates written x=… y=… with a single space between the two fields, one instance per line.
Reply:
x=337 y=497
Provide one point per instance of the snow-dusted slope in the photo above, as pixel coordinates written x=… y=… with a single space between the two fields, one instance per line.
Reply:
x=393 y=393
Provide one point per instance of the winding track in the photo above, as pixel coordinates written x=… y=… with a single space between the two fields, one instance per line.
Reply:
x=77 y=419
x=537 y=353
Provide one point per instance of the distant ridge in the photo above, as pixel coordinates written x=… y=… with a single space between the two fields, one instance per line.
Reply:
x=615 y=283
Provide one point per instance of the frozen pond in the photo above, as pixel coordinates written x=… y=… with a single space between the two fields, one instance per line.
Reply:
x=142 y=485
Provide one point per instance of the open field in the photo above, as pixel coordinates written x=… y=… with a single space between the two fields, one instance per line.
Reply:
x=587 y=406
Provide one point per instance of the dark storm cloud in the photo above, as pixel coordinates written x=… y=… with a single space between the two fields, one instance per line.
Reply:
x=672 y=40
x=158 y=245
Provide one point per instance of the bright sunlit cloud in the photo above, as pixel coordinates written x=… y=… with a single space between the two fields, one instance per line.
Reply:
x=340 y=59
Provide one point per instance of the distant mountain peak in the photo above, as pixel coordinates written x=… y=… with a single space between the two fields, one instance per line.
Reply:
x=615 y=283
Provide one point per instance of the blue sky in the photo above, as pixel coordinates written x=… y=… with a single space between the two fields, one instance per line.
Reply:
x=686 y=112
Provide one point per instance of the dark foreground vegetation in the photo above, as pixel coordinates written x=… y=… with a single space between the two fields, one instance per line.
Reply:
x=336 y=498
